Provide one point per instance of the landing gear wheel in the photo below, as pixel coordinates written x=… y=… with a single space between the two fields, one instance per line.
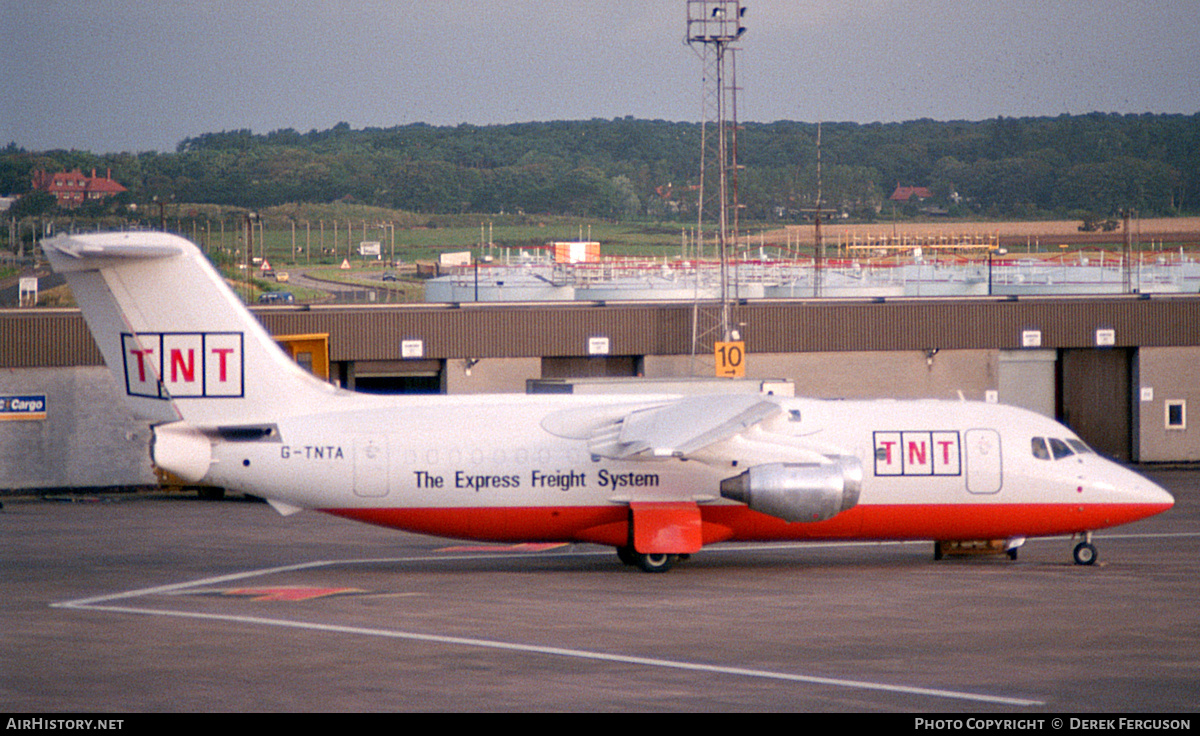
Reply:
x=656 y=562
x=937 y=551
x=1085 y=554
x=1012 y=553
x=627 y=555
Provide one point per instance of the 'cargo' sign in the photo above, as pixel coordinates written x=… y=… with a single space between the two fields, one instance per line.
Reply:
x=22 y=407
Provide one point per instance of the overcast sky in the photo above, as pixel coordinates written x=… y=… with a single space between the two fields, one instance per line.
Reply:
x=138 y=75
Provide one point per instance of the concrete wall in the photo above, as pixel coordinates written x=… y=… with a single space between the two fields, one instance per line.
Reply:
x=1164 y=375
x=88 y=438
x=864 y=375
x=491 y=375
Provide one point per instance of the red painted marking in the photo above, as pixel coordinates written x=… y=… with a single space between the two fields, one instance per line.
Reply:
x=598 y=524
x=222 y=354
x=610 y=524
x=526 y=547
x=289 y=593
x=667 y=528
x=141 y=363
x=177 y=365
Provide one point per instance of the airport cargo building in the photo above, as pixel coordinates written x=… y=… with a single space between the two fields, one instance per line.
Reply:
x=1123 y=371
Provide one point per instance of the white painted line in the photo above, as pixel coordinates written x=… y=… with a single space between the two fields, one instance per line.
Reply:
x=1162 y=535
x=176 y=587
x=98 y=603
x=805 y=544
x=573 y=653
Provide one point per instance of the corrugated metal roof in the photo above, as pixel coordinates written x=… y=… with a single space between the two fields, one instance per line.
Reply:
x=31 y=338
x=43 y=337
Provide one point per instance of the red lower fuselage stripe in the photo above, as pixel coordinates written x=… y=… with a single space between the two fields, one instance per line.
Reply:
x=610 y=524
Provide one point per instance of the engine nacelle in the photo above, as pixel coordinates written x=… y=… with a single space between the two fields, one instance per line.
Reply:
x=180 y=449
x=798 y=492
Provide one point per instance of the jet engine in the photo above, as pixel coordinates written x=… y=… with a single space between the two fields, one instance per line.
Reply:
x=798 y=492
x=182 y=450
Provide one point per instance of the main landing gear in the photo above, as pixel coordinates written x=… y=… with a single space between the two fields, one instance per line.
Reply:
x=958 y=548
x=652 y=562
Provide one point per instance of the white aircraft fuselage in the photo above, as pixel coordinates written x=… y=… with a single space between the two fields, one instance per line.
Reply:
x=484 y=468
x=654 y=476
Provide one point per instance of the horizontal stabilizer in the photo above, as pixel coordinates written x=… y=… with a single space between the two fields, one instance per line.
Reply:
x=179 y=342
x=89 y=255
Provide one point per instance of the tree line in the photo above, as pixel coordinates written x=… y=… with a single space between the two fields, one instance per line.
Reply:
x=630 y=168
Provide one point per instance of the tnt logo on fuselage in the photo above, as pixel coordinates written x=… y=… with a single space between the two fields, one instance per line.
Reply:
x=162 y=365
x=917 y=453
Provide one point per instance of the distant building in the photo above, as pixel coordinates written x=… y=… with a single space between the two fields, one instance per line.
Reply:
x=906 y=194
x=73 y=188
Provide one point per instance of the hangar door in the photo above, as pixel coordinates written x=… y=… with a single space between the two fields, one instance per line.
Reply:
x=395 y=377
x=1027 y=379
x=1095 y=393
x=596 y=366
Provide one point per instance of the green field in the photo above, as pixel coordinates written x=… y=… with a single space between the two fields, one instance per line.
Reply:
x=311 y=248
x=309 y=236
x=320 y=258
x=316 y=239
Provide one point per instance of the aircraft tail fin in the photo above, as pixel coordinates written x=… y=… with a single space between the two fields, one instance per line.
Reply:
x=179 y=342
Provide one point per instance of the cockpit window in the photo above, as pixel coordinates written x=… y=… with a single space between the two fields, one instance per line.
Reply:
x=1044 y=448
x=1060 y=449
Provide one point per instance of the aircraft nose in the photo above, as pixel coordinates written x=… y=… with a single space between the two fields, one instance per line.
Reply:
x=1159 y=495
x=1146 y=492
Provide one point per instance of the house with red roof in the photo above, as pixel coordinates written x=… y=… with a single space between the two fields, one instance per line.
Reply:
x=73 y=188
x=905 y=194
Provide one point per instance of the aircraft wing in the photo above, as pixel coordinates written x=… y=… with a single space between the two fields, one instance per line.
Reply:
x=781 y=474
x=679 y=428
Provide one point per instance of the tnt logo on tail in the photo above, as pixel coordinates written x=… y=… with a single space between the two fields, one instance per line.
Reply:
x=175 y=365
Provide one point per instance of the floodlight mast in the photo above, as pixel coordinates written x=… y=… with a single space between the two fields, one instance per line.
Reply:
x=713 y=26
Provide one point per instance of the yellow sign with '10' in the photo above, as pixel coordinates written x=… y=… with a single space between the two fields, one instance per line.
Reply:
x=731 y=359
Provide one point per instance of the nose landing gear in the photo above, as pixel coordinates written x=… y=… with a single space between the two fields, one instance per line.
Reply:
x=1085 y=552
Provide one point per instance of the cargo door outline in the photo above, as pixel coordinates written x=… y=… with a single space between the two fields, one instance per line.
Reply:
x=370 y=467
x=984 y=461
